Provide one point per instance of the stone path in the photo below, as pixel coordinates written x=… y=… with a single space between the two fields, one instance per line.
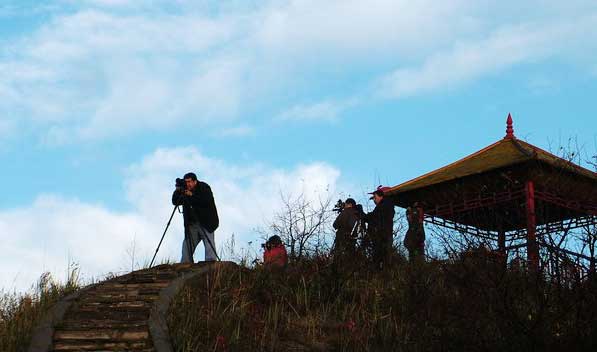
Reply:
x=126 y=313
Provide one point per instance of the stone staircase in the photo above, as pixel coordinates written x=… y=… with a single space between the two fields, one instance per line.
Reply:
x=126 y=313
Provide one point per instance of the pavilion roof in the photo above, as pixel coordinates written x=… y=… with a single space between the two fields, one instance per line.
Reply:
x=503 y=153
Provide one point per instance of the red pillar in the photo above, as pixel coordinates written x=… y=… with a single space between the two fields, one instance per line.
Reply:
x=532 y=248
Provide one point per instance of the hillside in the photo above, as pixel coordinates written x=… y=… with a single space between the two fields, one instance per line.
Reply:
x=472 y=303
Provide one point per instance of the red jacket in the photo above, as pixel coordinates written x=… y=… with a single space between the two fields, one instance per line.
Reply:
x=276 y=256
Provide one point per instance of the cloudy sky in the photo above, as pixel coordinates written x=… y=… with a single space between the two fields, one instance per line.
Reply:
x=104 y=102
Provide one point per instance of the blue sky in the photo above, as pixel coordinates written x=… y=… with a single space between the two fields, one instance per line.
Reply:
x=104 y=102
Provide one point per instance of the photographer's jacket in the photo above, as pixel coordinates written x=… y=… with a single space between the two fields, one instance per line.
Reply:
x=381 y=219
x=344 y=225
x=200 y=207
x=415 y=236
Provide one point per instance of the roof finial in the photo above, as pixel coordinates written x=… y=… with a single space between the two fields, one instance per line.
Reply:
x=509 y=128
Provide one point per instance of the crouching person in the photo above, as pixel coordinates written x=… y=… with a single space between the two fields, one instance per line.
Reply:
x=275 y=255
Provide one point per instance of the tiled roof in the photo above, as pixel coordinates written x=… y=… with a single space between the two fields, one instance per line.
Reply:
x=506 y=152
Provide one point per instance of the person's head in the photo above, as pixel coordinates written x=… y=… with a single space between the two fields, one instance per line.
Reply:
x=190 y=179
x=350 y=203
x=378 y=196
x=273 y=241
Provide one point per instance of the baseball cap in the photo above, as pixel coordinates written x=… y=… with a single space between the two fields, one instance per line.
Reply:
x=380 y=191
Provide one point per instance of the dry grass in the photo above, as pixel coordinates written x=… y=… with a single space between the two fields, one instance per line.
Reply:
x=470 y=304
x=19 y=313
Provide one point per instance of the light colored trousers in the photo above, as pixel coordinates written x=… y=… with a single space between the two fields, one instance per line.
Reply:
x=194 y=234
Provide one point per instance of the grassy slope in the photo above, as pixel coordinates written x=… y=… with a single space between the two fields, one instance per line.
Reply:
x=19 y=313
x=472 y=304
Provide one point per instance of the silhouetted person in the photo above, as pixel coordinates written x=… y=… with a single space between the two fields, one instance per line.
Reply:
x=346 y=225
x=200 y=217
x=380 y=229
x=414 y=240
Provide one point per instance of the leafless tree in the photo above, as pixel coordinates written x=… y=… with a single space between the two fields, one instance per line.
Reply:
x=303 y=225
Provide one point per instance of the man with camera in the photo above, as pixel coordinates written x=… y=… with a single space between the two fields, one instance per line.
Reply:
x=274 y=254
x=380 y=228
x=200 y=216
x=346 y=231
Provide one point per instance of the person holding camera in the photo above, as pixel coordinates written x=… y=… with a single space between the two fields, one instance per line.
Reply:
x=200 y=216
x=346 y=231
x=380 y=229
x=274 y=254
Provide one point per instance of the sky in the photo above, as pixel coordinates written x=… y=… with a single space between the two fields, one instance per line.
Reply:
x=103 y=103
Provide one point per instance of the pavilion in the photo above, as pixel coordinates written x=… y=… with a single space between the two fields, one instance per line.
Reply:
x=510 y=190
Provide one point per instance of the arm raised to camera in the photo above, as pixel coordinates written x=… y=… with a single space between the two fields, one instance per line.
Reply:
x=338 y=220
x=177 y=197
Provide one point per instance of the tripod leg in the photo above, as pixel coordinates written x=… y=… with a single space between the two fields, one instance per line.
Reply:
x=164 y=234
x=210 y=249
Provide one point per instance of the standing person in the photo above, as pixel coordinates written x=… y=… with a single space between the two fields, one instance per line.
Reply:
x=380 y=228
x=346 y=230
x=414 y=240
x=200 y=217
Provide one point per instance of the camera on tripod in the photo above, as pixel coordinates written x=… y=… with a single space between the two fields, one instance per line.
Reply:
x=339 y=206
x=181 y=184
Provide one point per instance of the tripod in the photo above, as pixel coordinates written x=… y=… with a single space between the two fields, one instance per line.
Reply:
x=164 y=234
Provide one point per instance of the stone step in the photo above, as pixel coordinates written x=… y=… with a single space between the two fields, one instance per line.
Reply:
x=119 y=290
x=145 y=278
x=115 y=286
x=137 y=346
x=101 y=324
x=142 y=291
x=124 y=305
x=117 y=297
x=113 y=315
x=136 y=334
x=121 y=315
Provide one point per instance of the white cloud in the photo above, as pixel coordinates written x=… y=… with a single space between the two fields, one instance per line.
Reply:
x=110 y=68
x=7 y=128
x=321 y=111
x=94 y=74
x=237 y=131
x=116 y=3
x=349 y=30
x=45 y=234
x=501 y=49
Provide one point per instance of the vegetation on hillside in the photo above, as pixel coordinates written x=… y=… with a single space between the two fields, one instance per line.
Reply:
x=20 y=312
x=469 y=303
